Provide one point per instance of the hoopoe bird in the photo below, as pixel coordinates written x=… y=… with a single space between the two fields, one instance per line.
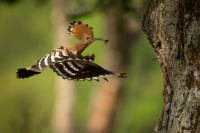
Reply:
x=68 y=62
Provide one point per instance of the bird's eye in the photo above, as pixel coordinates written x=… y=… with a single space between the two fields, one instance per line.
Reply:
x=87 y=38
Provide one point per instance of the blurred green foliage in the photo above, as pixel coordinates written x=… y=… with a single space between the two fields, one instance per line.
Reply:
x=26 y=106
x=25 y=36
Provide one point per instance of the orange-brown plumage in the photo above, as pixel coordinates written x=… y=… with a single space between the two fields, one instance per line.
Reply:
x=84 y=34
x=80 y=30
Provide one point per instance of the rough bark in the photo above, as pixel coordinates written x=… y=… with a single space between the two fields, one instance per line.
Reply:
x=173 y=29
x=64 y=88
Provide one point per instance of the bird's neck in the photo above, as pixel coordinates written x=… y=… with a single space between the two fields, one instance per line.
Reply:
x=78 y=48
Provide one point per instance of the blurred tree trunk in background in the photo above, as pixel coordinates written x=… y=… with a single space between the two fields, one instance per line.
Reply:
x=173 y=28
x=120 y=33
x=64 y=88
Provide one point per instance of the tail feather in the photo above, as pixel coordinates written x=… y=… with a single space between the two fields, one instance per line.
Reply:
x=24 y=73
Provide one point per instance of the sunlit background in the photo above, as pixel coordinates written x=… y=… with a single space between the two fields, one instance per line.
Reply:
x=27 y=32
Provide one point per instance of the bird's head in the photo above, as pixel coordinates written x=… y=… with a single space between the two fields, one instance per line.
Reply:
x=83 y=33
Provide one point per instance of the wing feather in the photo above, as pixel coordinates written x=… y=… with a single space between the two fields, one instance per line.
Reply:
x=83 y=68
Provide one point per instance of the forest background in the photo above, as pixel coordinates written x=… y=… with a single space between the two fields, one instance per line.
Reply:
x=28 y=106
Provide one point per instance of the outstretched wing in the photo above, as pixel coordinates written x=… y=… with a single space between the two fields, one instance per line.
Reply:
x=83 y=68
x=69 y=66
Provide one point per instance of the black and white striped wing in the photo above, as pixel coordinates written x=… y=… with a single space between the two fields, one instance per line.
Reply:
x=51 y=58
x=48 y=60
x=69 y=66
x=82 y=69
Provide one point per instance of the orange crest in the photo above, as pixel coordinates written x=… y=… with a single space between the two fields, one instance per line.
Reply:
x=80 y=30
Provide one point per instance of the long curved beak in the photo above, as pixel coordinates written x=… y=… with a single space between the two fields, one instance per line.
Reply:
x=100 y=39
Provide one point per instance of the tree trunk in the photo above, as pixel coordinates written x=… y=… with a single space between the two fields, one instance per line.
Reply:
x=120 y=34
x=107 y=96
x=64 y=88
x=173 y=29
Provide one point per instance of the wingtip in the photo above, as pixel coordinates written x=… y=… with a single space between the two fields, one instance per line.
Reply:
x=106 y=79
x=106 y=41
x=123 y=75
x=120 y=75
